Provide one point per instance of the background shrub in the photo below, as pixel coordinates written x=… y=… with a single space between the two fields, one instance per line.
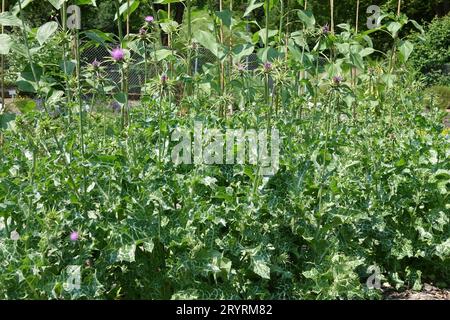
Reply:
x=431 y=54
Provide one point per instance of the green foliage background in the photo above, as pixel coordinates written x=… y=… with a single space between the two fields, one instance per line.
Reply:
x=431 y=55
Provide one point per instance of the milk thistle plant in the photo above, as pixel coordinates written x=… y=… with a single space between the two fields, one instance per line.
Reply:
x=272 y=151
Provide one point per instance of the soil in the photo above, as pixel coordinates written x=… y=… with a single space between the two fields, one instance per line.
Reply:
x=428 y=292
x=447 y=119
x=9 y=104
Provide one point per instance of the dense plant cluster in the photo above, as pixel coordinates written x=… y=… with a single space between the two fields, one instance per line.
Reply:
x=432 y=52
x=362 y=183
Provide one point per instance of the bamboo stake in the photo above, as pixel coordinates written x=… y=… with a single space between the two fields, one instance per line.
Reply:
x=332 y=15
x=303 y=74
x=65 y=51
x=267 y=3
x=119 y=22
x=231 y=44
x=266 y=91
x=357 y=16
x=189 y=57
x=127 y=103
x=393 y=55
x=128 y=17
x=286 y=39
x=3 y=67
x=356 y=31
x=169 y=37
x=80 y=106
x=222 y=65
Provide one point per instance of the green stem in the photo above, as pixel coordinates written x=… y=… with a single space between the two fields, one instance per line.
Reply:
x=119 y=22
x=145 y=62
x=316 y=94
x=80 y=106
x=159 y=124
x=66 y=76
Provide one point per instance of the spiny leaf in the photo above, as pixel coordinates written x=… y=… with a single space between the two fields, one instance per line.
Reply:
x=46 y=31
x=406 y=48
x=5 y=43
x=252 y=6
x=9 y=20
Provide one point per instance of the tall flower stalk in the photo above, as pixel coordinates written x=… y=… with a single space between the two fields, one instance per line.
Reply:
x=266 y=83
x=119 y=22
x=118 y=55
x=145 y=60
x=286 y=33
x=127 y=72
x=230 y=45
x=65 y=50
x=128 y=17
x=189 y=46
x=356 y=32
x=393 y=54
x=80 y=106
x=44 y=105
x=222 y=63
x=162 y=92
x=303 y=74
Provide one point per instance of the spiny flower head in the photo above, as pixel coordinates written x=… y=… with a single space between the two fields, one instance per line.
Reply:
x=337 y=80
x=118 y=54
x=164 y=78
x=74 y=236
x=267 y=66
x=142 y=32
x=95 y=64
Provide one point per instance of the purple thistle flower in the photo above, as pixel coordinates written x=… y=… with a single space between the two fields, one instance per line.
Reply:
x=267 y=66
x=337 y=80
x=240 y=67
x=326 y=29
x=118 y=54
x=74 y=236
x=142 y=31
x=149 y=19
x=115 y=106
x=164 y=78
x=95 y=64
